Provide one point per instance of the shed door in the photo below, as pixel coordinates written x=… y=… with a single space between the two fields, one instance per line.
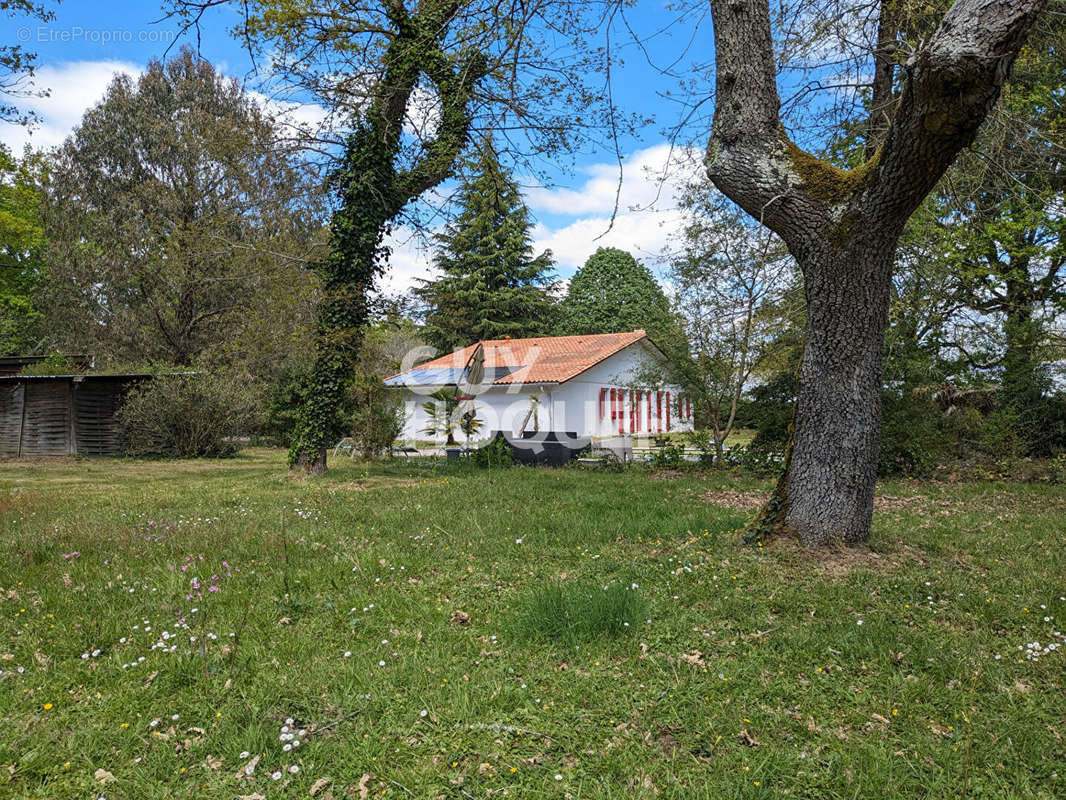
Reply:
x=11 y=395
x=46 y=431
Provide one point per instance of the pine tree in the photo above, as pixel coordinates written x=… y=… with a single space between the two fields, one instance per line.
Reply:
x=491 y=286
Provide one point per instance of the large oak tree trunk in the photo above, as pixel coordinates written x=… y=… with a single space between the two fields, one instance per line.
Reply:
x=828 y=488
x=843 y=226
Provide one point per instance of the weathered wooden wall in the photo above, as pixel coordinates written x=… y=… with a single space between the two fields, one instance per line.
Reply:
x=11 y=396
x=62 y=415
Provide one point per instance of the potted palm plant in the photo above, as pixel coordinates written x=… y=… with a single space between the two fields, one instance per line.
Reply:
x=442 y=411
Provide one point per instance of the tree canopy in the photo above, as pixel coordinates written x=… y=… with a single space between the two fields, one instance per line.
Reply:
x=178 y=223
x=22 y=267
x=613 y=292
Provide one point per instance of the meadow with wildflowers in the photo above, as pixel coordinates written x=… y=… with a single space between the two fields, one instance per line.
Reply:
x=219 y=629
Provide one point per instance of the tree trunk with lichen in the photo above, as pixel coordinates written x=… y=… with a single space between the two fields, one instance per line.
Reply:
x=842 y=227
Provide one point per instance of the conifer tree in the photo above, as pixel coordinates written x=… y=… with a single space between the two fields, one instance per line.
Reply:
x=491 y=285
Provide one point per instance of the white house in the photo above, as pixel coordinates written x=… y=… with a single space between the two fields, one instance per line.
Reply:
x=588 y=386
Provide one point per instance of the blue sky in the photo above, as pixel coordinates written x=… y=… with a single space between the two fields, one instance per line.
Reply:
x=88 y=42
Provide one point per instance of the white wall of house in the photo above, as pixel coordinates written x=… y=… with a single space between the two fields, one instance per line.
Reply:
x=571 y=406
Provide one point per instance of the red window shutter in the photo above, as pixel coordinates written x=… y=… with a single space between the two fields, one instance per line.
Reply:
x=603 y=401
x=659 y=411
x=632 y=410
x=621 y=411
x=667 y=411
x=614 y=409
x=649 y=410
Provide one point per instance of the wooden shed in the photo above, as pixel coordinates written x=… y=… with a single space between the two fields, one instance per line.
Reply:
x=60 y=415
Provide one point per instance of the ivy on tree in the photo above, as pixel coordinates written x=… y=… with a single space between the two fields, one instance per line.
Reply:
x=373 y=190
x=491 y=284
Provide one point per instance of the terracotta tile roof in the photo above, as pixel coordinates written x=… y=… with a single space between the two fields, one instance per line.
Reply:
x=548 y=359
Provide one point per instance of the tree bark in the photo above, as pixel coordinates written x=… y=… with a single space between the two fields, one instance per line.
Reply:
x=827 y=491
x=842 y=227
x=312 y=463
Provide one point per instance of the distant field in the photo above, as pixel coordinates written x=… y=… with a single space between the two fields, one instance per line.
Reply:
x=441 y=632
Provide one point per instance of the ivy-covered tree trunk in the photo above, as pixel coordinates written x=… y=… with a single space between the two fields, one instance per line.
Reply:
x=1021 y=379
x=842 y=227
x=373 y=190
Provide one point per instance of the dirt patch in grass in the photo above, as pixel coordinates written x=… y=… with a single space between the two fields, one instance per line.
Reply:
x=734 y=499
x=375 y=483
x=918 y=503
x=838 y=560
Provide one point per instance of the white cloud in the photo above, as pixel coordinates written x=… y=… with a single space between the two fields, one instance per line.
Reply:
x=645 y=234
x=299 y=118
x=651 y=178
x=409 y=259
x=75 y=86
x=648 y=217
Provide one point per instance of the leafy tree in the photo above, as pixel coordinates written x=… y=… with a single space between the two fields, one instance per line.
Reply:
x=21 y=250
x=731 y=282
x=18 y=65
x=612 y=293
x=491 y=284
x=999 y=228
x=842 y=226
x=179 y=225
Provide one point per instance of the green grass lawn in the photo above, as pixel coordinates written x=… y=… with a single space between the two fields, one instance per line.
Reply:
x=447 y=633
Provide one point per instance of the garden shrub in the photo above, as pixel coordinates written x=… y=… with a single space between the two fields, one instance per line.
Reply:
x=760 y=460
x=1057 y=469
x=914 y=437
x=670 y=456
x=496 y=453
x=188 y=416
x=772 y=410
x=283 y=408
x=376 y=418
x=703 y=440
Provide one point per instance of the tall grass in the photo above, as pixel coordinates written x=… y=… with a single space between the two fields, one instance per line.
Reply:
x=569 y=613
